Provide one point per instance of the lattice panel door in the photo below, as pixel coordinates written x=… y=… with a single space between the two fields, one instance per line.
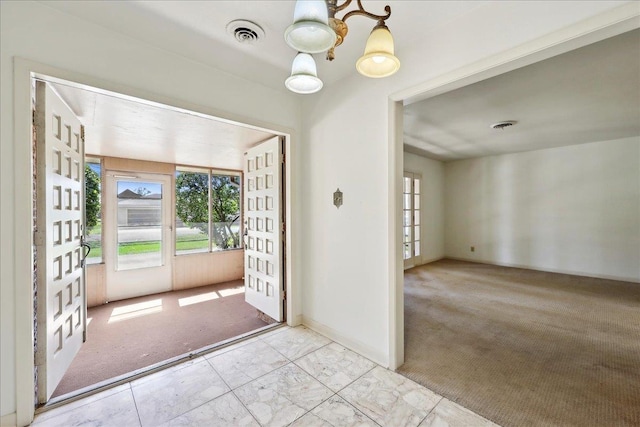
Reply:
x=263 y=228
x=60 y=227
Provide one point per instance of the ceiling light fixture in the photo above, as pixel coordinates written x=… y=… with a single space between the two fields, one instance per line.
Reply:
x=317 y=29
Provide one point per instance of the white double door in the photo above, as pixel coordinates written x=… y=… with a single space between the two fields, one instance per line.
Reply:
x=264 y=228
x=59 y=238
x=138 y=230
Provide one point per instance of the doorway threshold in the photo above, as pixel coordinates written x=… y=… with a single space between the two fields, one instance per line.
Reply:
x=151 y=369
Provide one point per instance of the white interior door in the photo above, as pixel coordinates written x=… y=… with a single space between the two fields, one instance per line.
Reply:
x=263 y=232
x=61 y=299
x=138 y=230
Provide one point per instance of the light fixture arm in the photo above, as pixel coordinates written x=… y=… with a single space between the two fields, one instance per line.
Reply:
x=339 y=25
x=360 y=11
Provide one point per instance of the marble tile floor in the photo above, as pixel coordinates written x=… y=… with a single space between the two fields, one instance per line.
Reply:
x=288 y=376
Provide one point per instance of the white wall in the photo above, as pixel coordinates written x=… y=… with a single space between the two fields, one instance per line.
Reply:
x=571 y=209
x=345 y=265
x=431 y=203
x=34 y=31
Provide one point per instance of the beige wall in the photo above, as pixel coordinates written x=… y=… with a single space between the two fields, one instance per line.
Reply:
x=193 y=270
x=572 y=210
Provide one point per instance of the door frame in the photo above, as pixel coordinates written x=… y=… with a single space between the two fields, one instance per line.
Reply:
x=23 y=262
x=589 y=31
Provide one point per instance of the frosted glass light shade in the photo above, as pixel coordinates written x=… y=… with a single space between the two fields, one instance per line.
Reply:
x=378 y=59
x=304 y=76
x=310 y=31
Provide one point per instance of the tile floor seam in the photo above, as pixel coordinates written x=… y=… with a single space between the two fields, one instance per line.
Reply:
x=432 y=409
x=245 y=407
x=314 y=350
x=260 y=376
x=218 y=373
x=354 y=407
x=196 y=407
x=342 y=389
x=287 y=398
x=135 y=404
x=279 y=352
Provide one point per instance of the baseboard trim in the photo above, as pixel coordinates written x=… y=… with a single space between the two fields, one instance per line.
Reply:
x=354 y=345
x=547 y=270
x=9 y=420
x=295 y=321
x=425 y=261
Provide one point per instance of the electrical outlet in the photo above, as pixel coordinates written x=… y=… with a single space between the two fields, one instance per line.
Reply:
x=473 y=248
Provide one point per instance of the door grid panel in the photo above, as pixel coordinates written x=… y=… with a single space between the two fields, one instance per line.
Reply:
x=60 y=219
x=263 y=249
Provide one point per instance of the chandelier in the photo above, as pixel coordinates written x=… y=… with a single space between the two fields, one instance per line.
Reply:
x=316 y=29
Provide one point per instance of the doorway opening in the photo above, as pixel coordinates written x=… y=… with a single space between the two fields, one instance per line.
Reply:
x=170 y=248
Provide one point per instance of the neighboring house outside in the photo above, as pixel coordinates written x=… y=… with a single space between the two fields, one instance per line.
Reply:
x=135 y=209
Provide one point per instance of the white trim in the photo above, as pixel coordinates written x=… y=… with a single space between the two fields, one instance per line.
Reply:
x=8 y=420
x=23 y=243
x=354 y=345
x=23 y=212
x=588 y=31
x=396 y=261
x=545 y=269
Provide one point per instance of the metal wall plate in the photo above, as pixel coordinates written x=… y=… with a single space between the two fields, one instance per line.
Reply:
x=337 y=198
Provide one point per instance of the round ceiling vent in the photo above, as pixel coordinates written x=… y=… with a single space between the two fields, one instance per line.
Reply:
x=245 y=32
x=502 y=125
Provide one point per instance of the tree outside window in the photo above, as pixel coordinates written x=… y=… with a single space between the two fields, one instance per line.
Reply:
x=201 y=226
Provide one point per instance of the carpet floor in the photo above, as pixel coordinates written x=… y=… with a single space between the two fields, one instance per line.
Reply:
x=523 y=347
x=127 y=335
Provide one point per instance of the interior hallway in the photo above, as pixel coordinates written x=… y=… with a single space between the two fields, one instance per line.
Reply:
x=131 y=334
x=288 y=376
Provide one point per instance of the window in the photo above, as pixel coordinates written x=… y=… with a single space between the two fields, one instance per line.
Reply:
x=208 y=210
x=192 y=212
x=225 y=211
x=411 y=217
x=93 y=209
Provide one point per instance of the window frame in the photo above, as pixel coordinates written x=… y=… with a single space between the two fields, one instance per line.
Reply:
x=210 y=173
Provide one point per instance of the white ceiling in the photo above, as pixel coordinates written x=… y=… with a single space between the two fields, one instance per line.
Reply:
x=586 y=95
x=591 y=94
x=120 y=127
x=197 y=30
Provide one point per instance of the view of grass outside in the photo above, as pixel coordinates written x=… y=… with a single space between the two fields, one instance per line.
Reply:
x=192 y=206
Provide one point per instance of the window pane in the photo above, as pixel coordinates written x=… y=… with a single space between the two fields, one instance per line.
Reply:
x=139 y=224
x=416 y=217
x=93 y=209
x=192 y=212
x=407 y=250
x=416 y=233
x=407 y=201
x=225 y=212
x=416 y=201
x=416 y=246
x=416 y=185
x=407 y=234
x=407 y=218
x=407 y=185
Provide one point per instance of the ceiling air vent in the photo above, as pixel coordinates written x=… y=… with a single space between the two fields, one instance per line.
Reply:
x=502 y=125
x=245 y=32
